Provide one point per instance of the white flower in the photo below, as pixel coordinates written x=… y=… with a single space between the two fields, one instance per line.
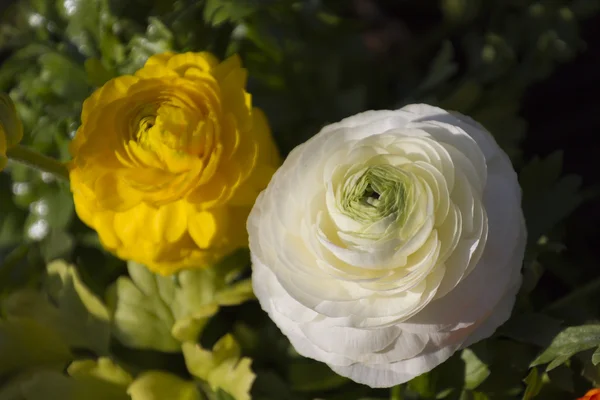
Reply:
x=388 y=241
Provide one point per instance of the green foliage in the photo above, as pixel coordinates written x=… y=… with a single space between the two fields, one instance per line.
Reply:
x=93 y=327
x=222 y=368
x=567 y=343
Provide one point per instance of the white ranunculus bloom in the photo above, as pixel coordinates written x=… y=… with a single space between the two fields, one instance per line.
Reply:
x=388 y=241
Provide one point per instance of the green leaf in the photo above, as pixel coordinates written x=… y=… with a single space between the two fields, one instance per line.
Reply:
x=310 y=376
x=222 y=368
x=83 y=311
x=189 y=328
x=596 y=357
x=60 y=206
x=570 y=341
x=156 y=312
x=217 y=12
x=68 y=307
x=45 y=385
x=471 y=395
x=158 y=385
x=25 y=343
x=475 y=370
x=65 y=78
x=534 y=384
x=141 y=310
x=424 y=385
x=158 y=39
x=103 y=368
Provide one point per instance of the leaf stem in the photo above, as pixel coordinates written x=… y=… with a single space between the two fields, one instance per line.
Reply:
x=574 y=296
x=41 y=162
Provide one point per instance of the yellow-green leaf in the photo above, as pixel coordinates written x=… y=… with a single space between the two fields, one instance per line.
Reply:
x=222 y=368
x=158 y=385
x=103 y=368
x=157 y=312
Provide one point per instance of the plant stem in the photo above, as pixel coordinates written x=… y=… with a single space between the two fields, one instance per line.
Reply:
x=574 y=296
x=396 y=393
x=33 y=159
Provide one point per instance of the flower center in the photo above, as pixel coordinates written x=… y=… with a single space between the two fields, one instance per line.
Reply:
x=375 y=192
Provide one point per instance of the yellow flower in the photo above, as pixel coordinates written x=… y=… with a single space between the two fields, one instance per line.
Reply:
x=168 y=162
x=11 y=129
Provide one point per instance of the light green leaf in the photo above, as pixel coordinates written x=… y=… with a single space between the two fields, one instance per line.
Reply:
x=189 y=328
x=158 y=385
x=222 y=368
x=103 y=368
x=534 y=384
x=475 y=370
x=141 y=313
x=309 y=376
x=25 y=343
x=157 y=312
x=570 y=341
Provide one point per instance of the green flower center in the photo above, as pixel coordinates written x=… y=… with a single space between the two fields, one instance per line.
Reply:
x=375 y=192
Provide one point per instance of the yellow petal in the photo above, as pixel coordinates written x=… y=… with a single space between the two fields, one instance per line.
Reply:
x=169 y=222
x=203 y=226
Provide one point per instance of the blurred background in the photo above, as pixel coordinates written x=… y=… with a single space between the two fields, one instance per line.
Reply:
x=528 y=70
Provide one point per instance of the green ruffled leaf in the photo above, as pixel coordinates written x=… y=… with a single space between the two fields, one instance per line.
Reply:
x=570 y=341
x=157 y=312
x=141 y=310
x=222 y=368
x=158 y=385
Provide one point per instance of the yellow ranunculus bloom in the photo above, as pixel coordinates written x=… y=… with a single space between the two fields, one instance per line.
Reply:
x=11 y=129
x=168 y=162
